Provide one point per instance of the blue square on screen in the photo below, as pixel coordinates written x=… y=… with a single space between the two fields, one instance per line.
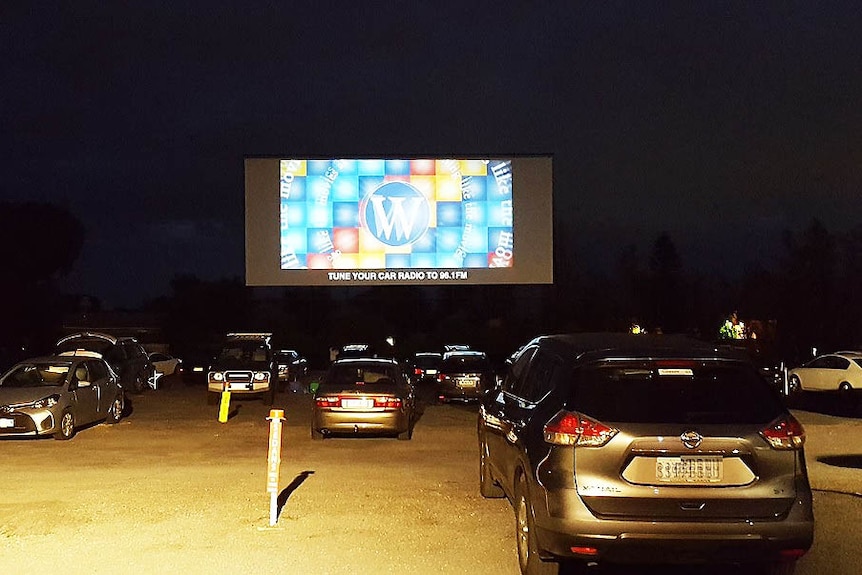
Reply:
x=476 y=261
x=474 y=188
x=498 y=214
x=294 y=240
x=448 y=261
x=295 y=192
x=345 y=167
x=345 y=214
x=319 y=215
x=397 y=261
x=371 y=167
x=448 y=214
x=427 y=242
x=368 y=184
x=345 y=187
x=423 y=260
x=293 y=214
x=475 y=239
x=317 y=167
x=397 y=167
x=475 y=213
x=448 y=239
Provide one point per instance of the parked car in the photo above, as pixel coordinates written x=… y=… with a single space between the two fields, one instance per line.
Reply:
x=464 y=376
x=291 y=365
x=363 y=396
x=164 y=366
x=245 y=366
x=644 y=449
x=125 y=355
x=57 y=395
x=840 y=371
x=426 y=365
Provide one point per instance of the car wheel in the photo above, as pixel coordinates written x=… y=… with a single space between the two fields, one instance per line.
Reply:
x=67 y=426
x=488 y=488
x=115 y=412
x=316 y=435
x=845 y=387
x=794 y=385
x=525 y=536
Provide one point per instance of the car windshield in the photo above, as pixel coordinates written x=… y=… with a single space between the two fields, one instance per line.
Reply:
x=643 y=392
x=36 y=375
x=349 y=375
x=464 y=363
x=246 y=351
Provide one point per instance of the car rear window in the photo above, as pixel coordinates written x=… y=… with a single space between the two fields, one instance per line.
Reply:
x=684 y=392
x=349 y=375
x=465 y=363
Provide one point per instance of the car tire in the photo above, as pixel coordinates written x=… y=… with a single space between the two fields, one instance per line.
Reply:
x=405 y=435
x=845 y=387
x=316 y=435
x=488 y=488
x=67 y=426
x=525 y=535
x=794 y=385
x=115 y=412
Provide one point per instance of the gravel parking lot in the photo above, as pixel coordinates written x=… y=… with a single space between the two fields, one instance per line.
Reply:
x=170 y=489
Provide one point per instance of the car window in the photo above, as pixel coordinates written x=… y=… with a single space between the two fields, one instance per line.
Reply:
x=514 y=380
x=837 y=362
x=638 y=392
x=98 y=370
x=539 y=378
x=36 y=375
x=349 y=375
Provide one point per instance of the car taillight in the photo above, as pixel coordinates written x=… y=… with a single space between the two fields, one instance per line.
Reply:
x=388 y=402
x=570 y=428
x=327 y=401
x=417 y=371
x=784 y=433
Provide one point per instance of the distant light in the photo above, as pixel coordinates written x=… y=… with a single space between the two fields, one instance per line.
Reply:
x=391 y=341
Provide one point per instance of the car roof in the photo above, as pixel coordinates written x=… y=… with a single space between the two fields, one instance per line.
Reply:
x=87 y=335
x=366 y=360
x=464 y=353
x=596 y=346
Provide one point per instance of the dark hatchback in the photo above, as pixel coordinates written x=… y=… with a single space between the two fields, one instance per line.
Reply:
x=464 y=376
x=617 y=448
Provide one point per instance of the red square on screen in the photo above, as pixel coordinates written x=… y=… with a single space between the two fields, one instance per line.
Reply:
x=422 y=167
x=319 y=262
x=346 y=240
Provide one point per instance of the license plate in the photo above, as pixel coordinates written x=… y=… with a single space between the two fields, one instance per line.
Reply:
x=6 y=422
x=689 y=469
x=357 y=403
x=466 y=382
x=240 y=386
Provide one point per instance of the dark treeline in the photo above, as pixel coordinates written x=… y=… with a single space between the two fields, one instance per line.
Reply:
x=808 y=296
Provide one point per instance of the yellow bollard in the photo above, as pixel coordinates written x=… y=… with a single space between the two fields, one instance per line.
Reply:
x=224 y=407
x=273 y=462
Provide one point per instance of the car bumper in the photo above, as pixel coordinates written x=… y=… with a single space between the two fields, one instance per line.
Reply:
x=451 y=391
x=29 y=423
x=672 y=541
x=374 y=422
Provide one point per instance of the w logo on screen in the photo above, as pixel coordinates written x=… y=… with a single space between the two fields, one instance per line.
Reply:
x=397 y=213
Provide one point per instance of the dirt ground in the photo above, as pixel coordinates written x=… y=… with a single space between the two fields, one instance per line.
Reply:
x=169 y=489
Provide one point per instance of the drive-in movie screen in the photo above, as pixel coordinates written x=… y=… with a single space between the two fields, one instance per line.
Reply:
x=372 y=221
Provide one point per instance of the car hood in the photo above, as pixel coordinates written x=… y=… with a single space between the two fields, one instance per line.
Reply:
x=16 y=395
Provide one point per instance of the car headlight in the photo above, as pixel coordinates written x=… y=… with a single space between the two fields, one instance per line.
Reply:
x=260 y=375
x=217 y=376
x=43 y=403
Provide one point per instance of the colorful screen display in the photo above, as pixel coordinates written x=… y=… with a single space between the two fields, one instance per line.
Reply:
x=364 y=214
x=354 y=221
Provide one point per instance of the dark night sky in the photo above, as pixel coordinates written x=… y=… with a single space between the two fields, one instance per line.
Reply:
x=720 y=123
